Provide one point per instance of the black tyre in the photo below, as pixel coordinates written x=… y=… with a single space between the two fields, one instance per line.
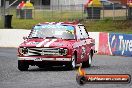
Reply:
x=88 y=62
x=72 y=64
x=22 y=66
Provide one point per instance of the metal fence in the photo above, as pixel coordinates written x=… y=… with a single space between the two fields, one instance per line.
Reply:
x=0 y=13
x=69 y=12
x=1 y=18
x=115 y=14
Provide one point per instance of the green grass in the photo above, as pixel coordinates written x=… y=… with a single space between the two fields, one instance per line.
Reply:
x=106 y=25
x=42 y=16
x=119 y=26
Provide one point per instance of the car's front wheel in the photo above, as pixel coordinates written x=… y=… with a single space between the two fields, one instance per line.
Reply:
x=88 y=62
x=72 y=64
x=22 y=66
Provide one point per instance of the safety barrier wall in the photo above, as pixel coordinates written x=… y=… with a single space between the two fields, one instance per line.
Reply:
x=120 y=44
x=12 y=37
x=105 y=43
x=115 y=44
x=95 y=35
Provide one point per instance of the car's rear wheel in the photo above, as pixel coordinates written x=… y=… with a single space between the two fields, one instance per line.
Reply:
x=88 y=62
x=72 y=64
x=22 y=66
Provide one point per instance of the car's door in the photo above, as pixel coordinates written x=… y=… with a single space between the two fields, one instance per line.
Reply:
x=81 y=42
x=86 y=41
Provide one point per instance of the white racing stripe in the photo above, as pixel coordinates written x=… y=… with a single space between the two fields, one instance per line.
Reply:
x=49 y=43
x=41 y=43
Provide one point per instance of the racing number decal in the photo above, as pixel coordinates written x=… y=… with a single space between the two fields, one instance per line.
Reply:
x=83 y=52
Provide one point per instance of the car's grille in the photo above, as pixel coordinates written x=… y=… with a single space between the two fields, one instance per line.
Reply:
x=43 y=51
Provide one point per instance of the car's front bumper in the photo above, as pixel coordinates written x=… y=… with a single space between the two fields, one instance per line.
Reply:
x=44 y=61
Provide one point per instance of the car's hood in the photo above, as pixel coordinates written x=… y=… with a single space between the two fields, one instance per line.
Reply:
x=47 y=43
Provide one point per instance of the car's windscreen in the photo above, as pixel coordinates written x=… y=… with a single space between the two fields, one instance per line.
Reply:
x=52 y=31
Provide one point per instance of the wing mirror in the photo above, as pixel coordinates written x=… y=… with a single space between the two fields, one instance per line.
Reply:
x=25 y=37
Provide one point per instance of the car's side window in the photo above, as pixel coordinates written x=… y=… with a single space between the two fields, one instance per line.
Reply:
x=83 y=31
x=79 y=33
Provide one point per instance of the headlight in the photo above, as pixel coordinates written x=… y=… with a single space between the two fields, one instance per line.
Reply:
x=63 y=51
x=23 y=50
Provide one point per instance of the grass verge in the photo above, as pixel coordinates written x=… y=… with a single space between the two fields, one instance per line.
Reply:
x=106 y=25
x=118 y=26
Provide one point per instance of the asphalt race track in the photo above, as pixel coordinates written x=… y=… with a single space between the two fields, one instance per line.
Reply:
x=58 y=77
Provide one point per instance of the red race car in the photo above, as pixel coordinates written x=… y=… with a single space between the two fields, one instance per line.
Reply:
x=56 y=44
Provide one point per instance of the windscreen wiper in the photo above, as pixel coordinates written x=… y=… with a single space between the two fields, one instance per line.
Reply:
x=36 y=37
x=52 y=37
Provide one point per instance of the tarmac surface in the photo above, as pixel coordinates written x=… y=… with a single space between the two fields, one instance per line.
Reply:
x=58 y=77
